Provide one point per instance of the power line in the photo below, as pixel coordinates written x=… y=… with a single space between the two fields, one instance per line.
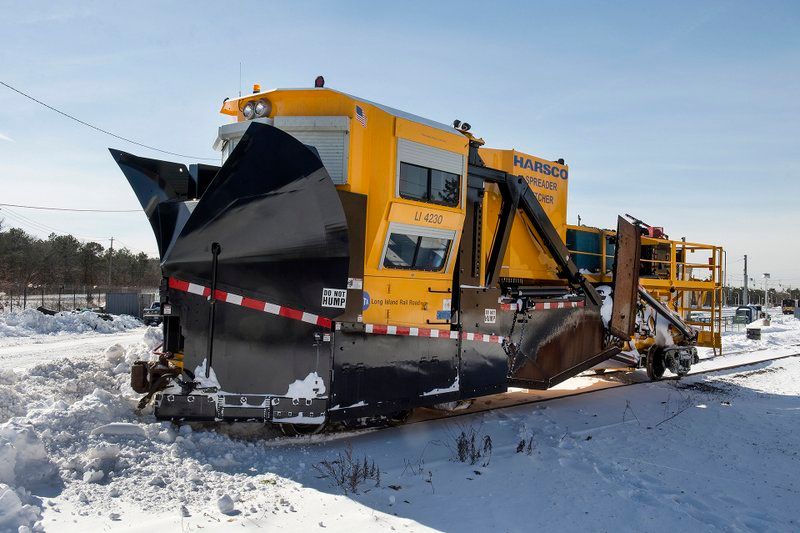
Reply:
x=23 y=225
x=101 y=130
x=44 y=228
x=130 y=248
x=43 y=208
x=31 y=225
x=38 y=226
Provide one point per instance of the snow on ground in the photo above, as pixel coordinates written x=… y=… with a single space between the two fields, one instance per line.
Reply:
x=711 y=452
x=30 y=322
x=18 y=353
x=783 y=333
x=29 y=337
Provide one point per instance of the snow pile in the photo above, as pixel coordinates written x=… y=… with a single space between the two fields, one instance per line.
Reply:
x=24 y=465
x=74 y=428
x=15 y=513
x=11 y=402
x=60 y=423
x=23 y=458
x=31 y=322
x=76 y=422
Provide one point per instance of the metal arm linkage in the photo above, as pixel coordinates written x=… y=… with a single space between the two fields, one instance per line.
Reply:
x=688 y=332
x=517 y=195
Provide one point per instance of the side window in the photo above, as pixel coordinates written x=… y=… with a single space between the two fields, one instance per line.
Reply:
x=429 y=185
x=444 y=187
x=429 y=174
x=406 y=250
x=413 y=182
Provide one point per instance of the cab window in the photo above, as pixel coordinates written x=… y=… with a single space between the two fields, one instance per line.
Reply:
x=416 y=252
x=429 y=185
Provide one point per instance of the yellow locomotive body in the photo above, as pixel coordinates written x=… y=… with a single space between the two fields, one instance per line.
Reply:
x=378 y=143
x=351 y=260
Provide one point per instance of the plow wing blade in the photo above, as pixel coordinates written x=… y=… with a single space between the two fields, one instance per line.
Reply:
x=272 y=208
x=278 y=219
x=163 y=189
x=275 y=221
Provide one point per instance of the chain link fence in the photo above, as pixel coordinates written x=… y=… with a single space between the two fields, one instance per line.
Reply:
x=61 y=298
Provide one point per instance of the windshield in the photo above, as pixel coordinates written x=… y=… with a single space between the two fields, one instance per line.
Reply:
x=788 y=303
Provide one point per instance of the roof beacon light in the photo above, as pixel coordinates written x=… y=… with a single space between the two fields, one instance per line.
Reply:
x=256 y=88
x=319 y=82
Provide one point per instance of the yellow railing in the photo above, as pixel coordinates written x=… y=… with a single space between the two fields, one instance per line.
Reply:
x=676 y=284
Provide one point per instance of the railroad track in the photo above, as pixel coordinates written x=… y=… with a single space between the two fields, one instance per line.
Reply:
x=632 y=378
x=518 y=397
x=739 y=352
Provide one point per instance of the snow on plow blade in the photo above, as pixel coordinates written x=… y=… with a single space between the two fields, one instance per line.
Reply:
x=277 y=221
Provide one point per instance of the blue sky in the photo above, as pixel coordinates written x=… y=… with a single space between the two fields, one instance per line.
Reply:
x=685 y=114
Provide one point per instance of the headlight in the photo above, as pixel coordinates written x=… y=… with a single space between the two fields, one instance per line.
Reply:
x=263 y=108
x=248 y=110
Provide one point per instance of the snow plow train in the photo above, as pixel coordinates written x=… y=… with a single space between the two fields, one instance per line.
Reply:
x=350 y=262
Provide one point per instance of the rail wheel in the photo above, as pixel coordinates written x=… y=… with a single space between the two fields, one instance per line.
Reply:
x=399 y=418
x=296 y=430
x=656 y=365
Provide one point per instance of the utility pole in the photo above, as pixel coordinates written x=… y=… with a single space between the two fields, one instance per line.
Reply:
x=745 y=295
x=111 y=254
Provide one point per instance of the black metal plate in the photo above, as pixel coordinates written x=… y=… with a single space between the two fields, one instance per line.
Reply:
x=389 y=373
x=484 y=366
x=283 y=408
x=181 y=407
x=626 y=279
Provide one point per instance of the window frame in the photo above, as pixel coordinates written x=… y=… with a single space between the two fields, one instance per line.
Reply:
x=429 y=185
x=418 y=231
x=432 y=158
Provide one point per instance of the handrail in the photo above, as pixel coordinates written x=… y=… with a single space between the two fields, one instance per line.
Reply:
x=676 y=275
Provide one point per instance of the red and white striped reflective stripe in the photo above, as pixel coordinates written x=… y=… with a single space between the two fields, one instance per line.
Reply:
x=543 y=306
x=252 y=303
x=379 y=329
x=288 y=312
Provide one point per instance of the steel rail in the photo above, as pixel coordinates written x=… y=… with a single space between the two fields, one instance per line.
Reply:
x=456 y=414
x=448 y=415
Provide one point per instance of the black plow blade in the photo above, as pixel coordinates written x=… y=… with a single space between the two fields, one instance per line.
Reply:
x=272 y=208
